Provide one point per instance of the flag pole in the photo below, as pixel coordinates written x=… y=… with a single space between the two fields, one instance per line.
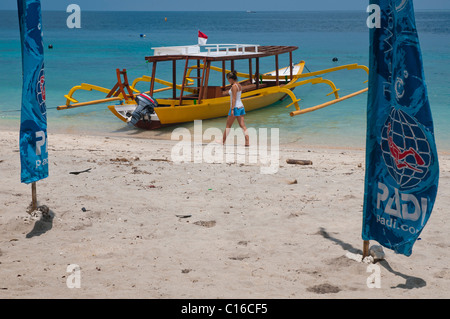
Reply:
x=33 y=119
x=366 y=244
x=33 y=197
x=387 y=117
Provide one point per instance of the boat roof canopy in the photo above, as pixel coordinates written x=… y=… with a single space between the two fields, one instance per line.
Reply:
x=217 y=52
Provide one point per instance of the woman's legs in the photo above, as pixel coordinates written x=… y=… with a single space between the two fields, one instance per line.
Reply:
x=241 y=122
x=230 y=121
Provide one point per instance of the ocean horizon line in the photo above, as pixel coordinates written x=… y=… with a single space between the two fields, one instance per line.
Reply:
x=245 y=11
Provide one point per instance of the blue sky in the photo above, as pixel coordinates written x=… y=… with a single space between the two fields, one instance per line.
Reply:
x=216 y=5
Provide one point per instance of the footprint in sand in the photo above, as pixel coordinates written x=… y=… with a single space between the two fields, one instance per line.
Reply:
x=324 y=289
x=207 y=224
x=239 y=258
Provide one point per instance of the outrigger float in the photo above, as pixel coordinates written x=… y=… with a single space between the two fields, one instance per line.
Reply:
x=195 y=99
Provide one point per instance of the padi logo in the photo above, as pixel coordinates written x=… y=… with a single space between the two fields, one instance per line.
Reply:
x=406 y=151
x=40 y=91
x=404 y=208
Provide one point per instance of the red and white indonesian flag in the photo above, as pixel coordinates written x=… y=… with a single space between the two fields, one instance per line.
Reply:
x=202 y=38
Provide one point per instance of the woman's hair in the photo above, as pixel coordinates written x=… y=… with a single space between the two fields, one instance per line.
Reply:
x=232 y=75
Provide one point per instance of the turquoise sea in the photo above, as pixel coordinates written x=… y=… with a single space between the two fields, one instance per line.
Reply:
x=110 y=40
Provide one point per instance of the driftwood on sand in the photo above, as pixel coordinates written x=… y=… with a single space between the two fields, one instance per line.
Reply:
x=299 y=162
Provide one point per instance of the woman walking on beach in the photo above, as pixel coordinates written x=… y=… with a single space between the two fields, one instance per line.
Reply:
x=237 y=110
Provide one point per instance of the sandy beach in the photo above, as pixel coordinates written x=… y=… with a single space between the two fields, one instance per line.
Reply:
x=141 y=226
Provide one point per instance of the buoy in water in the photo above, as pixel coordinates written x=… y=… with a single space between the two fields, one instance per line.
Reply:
x=165 y=19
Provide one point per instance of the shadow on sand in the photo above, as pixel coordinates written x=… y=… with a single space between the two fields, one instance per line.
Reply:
x=43 y=225
x=410 y=281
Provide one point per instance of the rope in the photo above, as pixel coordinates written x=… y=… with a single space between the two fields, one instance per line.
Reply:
x=12 y=111
x=311 y=72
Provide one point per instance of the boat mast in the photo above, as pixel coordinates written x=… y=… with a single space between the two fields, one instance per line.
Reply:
x=291 y=66
x=224 y=65
x=174 y=79
x=250 y=70
x=198 y=73
x=257 y=73
x=277 y=70
x=152 y=84
x=205 y=82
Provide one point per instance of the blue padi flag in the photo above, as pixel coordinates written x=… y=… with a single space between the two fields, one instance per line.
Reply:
x=33 y=126
x=402 y=169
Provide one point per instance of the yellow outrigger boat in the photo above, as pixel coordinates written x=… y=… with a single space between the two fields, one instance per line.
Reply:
x=196 y=99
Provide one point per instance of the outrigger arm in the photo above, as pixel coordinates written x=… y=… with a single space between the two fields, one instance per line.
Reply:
x=293 y=84
x=335 y=91
x=119 y=96
x=118 y=93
